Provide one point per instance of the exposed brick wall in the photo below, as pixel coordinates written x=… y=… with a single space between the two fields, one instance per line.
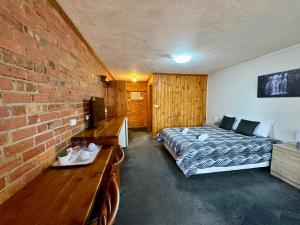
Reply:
x=137 y=110
x=46 y=77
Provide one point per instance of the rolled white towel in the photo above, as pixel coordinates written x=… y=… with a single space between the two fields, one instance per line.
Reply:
x=185 y=130
x=203 y=137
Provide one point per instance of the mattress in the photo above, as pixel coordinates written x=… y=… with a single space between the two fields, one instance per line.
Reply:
x=223 y=148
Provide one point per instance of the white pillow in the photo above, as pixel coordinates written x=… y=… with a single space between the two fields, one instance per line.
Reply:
x=263 y=129
x=236 y=123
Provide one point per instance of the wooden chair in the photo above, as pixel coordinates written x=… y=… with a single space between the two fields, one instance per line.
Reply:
x=110 y=207
x=111 y=200
x=118 y=159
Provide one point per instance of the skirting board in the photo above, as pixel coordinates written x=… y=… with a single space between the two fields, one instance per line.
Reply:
x=222 y=169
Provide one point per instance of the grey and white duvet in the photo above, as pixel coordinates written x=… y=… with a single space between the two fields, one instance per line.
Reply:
x=223 y=148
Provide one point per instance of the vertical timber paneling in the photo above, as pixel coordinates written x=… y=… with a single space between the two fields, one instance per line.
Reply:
x=178 y=101
x=119 y=107
x=149 y=103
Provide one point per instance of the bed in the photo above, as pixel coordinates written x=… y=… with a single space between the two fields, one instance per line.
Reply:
x=223 y=151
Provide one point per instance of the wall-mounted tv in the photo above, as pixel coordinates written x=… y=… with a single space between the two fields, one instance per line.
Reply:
x=97 y=110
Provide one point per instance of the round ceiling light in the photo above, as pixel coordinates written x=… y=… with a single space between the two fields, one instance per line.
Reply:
x=182 y=58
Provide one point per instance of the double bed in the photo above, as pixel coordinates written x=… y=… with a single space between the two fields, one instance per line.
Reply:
x=224 y=150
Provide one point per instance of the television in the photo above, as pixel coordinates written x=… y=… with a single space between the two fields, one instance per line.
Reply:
x=97 y=111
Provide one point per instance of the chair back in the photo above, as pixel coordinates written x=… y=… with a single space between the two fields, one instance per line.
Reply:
x=118 y=159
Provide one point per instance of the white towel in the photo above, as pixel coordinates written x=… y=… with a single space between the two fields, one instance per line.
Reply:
x=185 y=130
x=203 y=137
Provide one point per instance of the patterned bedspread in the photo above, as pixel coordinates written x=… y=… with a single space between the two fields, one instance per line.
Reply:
x=222 y=148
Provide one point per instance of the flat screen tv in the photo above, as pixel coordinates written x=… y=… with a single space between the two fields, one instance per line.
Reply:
x=97 y=111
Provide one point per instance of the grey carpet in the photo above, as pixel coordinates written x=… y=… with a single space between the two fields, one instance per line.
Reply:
x=155 y=192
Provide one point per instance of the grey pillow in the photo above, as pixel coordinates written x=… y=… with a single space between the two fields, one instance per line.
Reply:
x=246 y=127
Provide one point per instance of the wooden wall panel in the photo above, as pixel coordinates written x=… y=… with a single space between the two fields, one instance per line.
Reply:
x=149 y=103
x=178 y=101
x=119 y=107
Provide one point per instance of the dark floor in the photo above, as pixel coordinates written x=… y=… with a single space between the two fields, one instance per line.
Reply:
x=155 y=192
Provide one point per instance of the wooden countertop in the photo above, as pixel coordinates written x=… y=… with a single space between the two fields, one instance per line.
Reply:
x=107 y=128
x=61 y=196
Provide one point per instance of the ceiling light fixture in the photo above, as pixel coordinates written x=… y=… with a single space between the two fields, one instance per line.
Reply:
x=182 y=58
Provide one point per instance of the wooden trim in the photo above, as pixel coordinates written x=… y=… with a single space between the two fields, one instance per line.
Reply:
x=178 y=74
x=59 y=9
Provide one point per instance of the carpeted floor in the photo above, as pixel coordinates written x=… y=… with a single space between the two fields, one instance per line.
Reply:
x=155 y=192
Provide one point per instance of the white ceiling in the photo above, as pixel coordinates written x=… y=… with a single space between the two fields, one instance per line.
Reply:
x=135 y=37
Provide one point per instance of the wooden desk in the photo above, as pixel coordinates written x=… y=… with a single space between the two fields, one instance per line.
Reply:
x=61 y=196
x=108 y=131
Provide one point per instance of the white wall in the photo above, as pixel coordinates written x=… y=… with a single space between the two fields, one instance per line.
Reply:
x=234 y=91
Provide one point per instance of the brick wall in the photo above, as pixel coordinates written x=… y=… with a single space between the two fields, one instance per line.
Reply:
x=137 y=110
x=46 y=77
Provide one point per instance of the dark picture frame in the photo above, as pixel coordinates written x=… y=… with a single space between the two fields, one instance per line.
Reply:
x=280 y=84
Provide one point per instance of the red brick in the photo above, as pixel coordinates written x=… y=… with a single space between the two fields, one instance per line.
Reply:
x=9 y=164
x=67 y=135
x=58 y=131
x=54 y=107
x=16 y=98
x=54 y=141
x=41 y=98
x=37 y=77
x=3 y=139
x=20 y=86
x=2 y=183
x=24 y=133
x=17 y=59
x=10 y=45
x=5 y=84
x=19 y=110
x=54 y=124
x=47 y=90
x=45 y=156
x=19 y=147
x=61 y=146
x=11 y=20
x=3 y=111
x=21 y=171
x=42 y=127
x=32 y=54
x=33 y=119
x=33 y=152
x=33 y=173
x=43 y=137
x=48 y=116
x=57 y=99
x=11 y=123
x=13 y=72
x=30 y=87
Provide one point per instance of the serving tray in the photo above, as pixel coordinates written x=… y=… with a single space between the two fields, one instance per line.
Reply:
x=76 y=162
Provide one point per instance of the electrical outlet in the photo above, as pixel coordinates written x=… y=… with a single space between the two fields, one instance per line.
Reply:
x=72 y=122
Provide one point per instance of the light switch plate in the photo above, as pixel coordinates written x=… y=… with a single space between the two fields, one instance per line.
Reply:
x=72 y=122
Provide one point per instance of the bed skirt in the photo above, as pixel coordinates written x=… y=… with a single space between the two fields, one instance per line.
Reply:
x=222 y=169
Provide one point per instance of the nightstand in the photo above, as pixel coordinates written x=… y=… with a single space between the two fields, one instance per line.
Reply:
x=285 y=163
